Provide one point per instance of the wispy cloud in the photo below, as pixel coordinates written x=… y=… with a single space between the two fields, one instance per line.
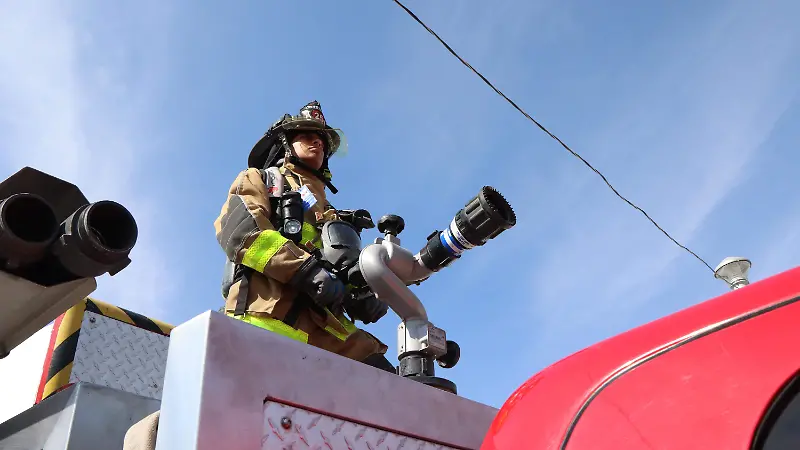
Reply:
x=449 y=117
x=683 y=141
x=673 y=104
x=76 y=88
x=781 y=251
x=448 y=134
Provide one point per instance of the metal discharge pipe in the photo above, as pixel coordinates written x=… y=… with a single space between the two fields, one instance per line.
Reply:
x=386 y=267
x=96 y=239
x=54 y=242
x=28 y=226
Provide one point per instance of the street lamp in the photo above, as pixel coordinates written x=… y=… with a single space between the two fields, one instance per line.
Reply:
x=733 y=270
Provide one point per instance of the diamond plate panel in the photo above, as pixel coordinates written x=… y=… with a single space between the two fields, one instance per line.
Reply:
x=292 y=428
x=120 y=356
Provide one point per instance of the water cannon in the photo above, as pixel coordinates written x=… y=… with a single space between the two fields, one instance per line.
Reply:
x=53 y=244
x=389 y=269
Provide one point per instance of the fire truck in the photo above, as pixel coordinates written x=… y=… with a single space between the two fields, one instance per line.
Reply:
x=718 y=375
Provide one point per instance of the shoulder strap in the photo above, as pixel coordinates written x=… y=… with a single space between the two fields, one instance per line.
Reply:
x=289 y=177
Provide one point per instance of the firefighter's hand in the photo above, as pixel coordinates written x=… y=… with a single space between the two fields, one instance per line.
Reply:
x=325 y=288
x=367 y=308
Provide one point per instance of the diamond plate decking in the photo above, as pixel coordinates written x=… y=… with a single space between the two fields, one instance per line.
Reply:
x=287 y=427
x=121 y=356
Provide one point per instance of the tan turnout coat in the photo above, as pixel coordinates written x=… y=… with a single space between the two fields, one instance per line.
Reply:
x=245 y=232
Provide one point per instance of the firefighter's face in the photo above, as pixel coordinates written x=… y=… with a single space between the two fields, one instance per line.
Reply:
x=310 y=148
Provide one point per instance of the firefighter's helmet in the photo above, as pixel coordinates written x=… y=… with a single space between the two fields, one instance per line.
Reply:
x=271 y=147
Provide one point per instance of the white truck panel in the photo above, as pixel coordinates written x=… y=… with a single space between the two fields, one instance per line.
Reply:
x=221 y=372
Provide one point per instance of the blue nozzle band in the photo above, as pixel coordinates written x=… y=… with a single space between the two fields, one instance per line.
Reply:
x=451 y=244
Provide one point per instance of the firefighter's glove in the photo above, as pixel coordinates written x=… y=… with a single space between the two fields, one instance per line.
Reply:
x=367 y=308
x=324 y=288
x=359 y=218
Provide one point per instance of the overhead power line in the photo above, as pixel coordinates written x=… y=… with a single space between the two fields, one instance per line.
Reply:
x=414 y=16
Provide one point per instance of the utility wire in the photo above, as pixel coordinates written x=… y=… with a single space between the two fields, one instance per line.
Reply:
x=414 y=16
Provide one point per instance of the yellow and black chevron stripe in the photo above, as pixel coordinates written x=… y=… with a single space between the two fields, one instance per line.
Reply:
x=129 y=317
x=68 y=332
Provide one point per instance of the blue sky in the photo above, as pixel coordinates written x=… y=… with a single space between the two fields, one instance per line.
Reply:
x=690 y=109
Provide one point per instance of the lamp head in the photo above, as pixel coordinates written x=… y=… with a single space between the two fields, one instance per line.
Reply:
x=733 y=270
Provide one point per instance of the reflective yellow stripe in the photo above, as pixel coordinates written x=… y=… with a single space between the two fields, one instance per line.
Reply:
x=310 y=234
x=349 y=327
x=263 y=248
x=274 y=325
x=340 y=336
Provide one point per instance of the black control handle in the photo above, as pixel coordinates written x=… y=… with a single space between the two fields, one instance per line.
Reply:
x=391 y=224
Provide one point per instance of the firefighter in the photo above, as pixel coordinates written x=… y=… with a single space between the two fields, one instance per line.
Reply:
x=270 y=281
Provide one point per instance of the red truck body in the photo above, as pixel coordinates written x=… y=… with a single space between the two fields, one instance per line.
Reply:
x=718 y=375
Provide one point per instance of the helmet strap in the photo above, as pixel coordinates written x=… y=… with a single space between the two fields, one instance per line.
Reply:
x=285 y=144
